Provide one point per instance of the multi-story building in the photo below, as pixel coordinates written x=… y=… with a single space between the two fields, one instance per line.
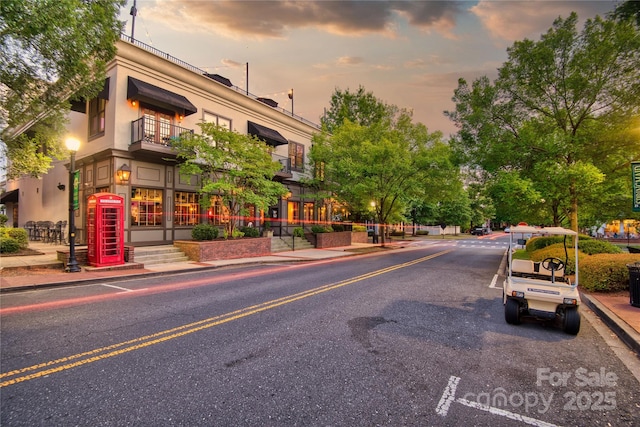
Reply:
x=148 y=99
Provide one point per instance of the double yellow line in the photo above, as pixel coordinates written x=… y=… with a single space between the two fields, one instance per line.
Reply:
x=70 y=362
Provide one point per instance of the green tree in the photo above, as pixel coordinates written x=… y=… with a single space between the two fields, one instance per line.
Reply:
x=237 y=167
x=559 y=113
x=360 y=107
x=51 y=52
x=629 y=9
x=383 y=166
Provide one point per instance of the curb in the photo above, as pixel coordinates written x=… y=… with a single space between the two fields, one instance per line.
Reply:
x=627 y=334
x=107 y=279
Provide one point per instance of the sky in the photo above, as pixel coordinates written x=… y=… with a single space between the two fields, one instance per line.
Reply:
x=407 y=53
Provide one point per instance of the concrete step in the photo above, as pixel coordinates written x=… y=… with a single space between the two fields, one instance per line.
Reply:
x=286 y=243
x=154 y=255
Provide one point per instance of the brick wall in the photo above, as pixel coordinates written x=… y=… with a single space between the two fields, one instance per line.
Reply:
x=332 y=240
x=224 y=249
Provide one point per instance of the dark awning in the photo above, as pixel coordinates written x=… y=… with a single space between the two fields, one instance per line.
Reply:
x=80 y=105
x=154 y=95
x=10 y=197
x=268 y=135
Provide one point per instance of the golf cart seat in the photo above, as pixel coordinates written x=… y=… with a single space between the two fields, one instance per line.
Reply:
x=527 y=268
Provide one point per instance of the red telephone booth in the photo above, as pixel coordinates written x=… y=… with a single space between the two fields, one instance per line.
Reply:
x=105 y=229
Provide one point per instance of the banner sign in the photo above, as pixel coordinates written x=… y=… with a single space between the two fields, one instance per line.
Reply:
x=76 y=190
x=635 y=182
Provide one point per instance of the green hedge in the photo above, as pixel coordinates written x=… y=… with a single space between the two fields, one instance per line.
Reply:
x=602 y=272
x=606 y=272
x=359 y=228
x=204 y=232
x=250 y=231
x=8 y=245
x=18 y=234
x=321 y=229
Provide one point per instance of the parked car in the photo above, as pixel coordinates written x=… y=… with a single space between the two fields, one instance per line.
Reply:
x=480 y=231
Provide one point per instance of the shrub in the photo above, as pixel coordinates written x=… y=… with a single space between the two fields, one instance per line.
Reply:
x=236 y=234
x=606 y=272
x=8 y=245
x=204 y=232
x=337 y=227
x=359 y=228
x=541 y=242
x=250 y=231
x=422 y=232
x=397 y=233
x=321 y=229
x=3 y=220
x=18 y=234
x=298 y=232
x=592 y=247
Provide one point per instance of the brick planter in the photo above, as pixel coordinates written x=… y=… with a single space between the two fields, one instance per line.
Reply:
x=332 y=240
x=359 y=237
x=211 y=250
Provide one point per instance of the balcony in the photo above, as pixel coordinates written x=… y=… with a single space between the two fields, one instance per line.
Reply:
x=154 y=136
x=285 y=171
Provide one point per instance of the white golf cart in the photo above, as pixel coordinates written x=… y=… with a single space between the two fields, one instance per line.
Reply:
x=541 y=290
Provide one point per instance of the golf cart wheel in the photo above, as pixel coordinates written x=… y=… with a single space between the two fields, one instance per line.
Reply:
x=512 y=311
x=571 y=320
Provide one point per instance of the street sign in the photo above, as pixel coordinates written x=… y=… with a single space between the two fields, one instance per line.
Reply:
x=76 y=190
x=635 y=183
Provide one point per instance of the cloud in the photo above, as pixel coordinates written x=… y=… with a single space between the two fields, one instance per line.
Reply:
x=516 y=20
x=349 y=60
x=274 y=19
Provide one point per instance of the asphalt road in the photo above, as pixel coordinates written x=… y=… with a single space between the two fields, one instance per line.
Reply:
x=412 y=337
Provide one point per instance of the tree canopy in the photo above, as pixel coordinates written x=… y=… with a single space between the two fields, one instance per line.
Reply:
x=236 y=167
x=558 y=121
x=383 y=165
x=51 y=52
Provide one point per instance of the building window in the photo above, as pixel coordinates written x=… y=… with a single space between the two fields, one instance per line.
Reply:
x=187 y=208
x=296 y=155
x=308 y=212
x=97 y=107
x=157 y=126
x=293 y=212
x=146 y=207
x=218 y=120
x=218 y=212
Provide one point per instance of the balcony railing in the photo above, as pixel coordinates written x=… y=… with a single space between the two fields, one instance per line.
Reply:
x=197 y=70
x=285 y=162
x=153 y=131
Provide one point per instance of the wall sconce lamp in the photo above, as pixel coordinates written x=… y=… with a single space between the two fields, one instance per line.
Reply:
x=124 y=173
x=134 y=103
x=61 y=186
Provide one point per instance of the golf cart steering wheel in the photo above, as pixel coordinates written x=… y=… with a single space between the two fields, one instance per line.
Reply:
x=552 y=264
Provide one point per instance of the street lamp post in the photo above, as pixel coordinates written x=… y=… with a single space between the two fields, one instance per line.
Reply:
x=290 y=95
x=73 y=145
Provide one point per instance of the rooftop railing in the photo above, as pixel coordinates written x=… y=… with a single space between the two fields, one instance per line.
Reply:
x=197 y=70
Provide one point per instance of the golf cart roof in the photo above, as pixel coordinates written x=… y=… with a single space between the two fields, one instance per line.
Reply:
x=541 y=230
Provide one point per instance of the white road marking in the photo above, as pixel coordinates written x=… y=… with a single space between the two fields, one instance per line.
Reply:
x=116 y=287
x=449 y=396
x=493 y=282
x=507 y=414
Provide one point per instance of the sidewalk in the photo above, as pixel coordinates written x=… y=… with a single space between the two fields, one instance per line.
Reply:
x=36 y=271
